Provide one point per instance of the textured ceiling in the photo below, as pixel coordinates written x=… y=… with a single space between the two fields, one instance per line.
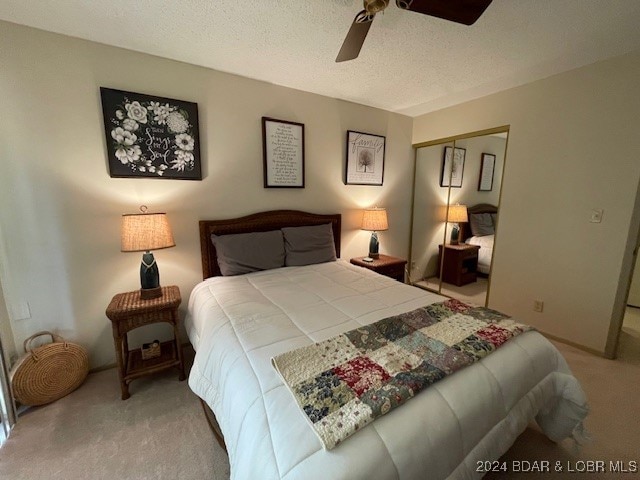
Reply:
x=410 y=63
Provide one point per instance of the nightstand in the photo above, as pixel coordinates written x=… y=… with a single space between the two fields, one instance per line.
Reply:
x=384 y=265
x=126 y=312
x=460 y=265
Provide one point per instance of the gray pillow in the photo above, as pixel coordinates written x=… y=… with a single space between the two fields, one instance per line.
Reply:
x=481 y=224
x=309 y=245
x=249 y=252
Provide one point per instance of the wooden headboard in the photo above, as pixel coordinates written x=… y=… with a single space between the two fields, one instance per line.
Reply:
x=465 y=228
x=258 y=222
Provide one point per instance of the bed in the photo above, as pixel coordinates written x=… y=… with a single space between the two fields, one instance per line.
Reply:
x=480 y=231
x=238 y=323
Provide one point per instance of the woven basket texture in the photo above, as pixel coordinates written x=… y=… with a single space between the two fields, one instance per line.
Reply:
x=48 y=372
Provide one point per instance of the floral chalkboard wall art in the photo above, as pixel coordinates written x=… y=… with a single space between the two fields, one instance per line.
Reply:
x=151 y=137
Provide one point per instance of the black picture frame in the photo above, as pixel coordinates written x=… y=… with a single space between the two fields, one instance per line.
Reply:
x=487 y=169
x=454 y=163
x=282 y=153
x=365 y=159
x=150 y=137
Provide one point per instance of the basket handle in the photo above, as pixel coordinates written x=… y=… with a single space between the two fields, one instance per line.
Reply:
x=54 y=338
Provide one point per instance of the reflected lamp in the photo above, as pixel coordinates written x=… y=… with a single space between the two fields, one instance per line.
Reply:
x=457 y=214
x=143 y=232
x=374 y=220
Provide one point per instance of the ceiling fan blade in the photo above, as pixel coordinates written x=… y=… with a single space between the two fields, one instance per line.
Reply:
x=355 y=38
x=459 y=11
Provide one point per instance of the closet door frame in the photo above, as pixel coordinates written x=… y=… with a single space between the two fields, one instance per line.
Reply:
x=442 y=142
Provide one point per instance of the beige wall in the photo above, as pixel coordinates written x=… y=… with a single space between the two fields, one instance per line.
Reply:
x=60 y=210
x=6 y=334
x=634 y=289
x=573 y=147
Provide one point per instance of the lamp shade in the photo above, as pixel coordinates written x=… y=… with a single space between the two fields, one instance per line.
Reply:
x=457 y=214
x=142 y=232
x=375 y=219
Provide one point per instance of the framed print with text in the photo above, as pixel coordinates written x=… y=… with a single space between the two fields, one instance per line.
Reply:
x=150 y=137
x=283 y=153
x=487 y=167
x=452 y=167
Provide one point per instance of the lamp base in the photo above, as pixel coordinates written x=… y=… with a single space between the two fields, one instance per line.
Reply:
x=373 y=255
x=150 y=293
x=455 y=234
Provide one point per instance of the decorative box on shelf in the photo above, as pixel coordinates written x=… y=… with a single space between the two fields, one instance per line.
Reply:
x=150 y=350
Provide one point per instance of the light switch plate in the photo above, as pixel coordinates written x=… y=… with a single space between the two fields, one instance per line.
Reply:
x=596 y=215
x=20 y=311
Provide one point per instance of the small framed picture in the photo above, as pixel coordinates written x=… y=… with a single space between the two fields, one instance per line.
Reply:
x=365 y=159
x=487 y=167
x=283 y=153
x=452 y=167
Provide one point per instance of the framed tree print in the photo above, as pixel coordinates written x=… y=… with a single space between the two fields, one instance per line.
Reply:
x=283 y=153
x=487 y=167
x=150 y=137
x=365 y=158
x=452 y=167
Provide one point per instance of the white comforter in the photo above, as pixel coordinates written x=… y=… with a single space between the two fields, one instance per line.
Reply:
x=485 y=253
x=237 y=324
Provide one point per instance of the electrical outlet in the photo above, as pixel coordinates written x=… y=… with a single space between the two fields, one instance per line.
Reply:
x=538 y=306
x=413 y=265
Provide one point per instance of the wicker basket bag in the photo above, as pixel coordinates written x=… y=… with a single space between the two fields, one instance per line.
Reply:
x=48 y=372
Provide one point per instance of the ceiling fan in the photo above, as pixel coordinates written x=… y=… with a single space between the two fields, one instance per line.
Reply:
x=459 y=11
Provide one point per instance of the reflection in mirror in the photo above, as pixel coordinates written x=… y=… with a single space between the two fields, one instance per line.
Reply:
x=457 y=189
x=429 y=214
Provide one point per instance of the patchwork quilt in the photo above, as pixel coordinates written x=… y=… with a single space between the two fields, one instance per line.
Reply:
x=346 y=382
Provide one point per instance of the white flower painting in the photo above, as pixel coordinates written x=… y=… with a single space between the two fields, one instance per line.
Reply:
x=177 y=123
x=151 y=137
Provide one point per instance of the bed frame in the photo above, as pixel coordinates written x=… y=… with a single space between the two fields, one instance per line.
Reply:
x=258 y=222
x=465 y=228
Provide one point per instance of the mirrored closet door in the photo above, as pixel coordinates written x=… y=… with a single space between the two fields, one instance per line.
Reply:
x=457 y=186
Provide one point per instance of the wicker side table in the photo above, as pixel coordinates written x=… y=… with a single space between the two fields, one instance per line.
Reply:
x=126 y=312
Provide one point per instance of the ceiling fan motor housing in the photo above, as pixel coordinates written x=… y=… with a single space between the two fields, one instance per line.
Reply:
x=375 y=6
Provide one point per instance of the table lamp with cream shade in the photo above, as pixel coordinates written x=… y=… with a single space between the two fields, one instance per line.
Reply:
x=457 y=214
x=374 y=220
x=143 y=232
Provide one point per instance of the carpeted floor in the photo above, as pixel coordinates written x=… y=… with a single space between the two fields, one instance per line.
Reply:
x=158 y=433
x=613 y=390
x=161 y=432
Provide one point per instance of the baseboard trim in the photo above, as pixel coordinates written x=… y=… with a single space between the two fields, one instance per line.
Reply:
x=592 y=351
x=102 y=368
